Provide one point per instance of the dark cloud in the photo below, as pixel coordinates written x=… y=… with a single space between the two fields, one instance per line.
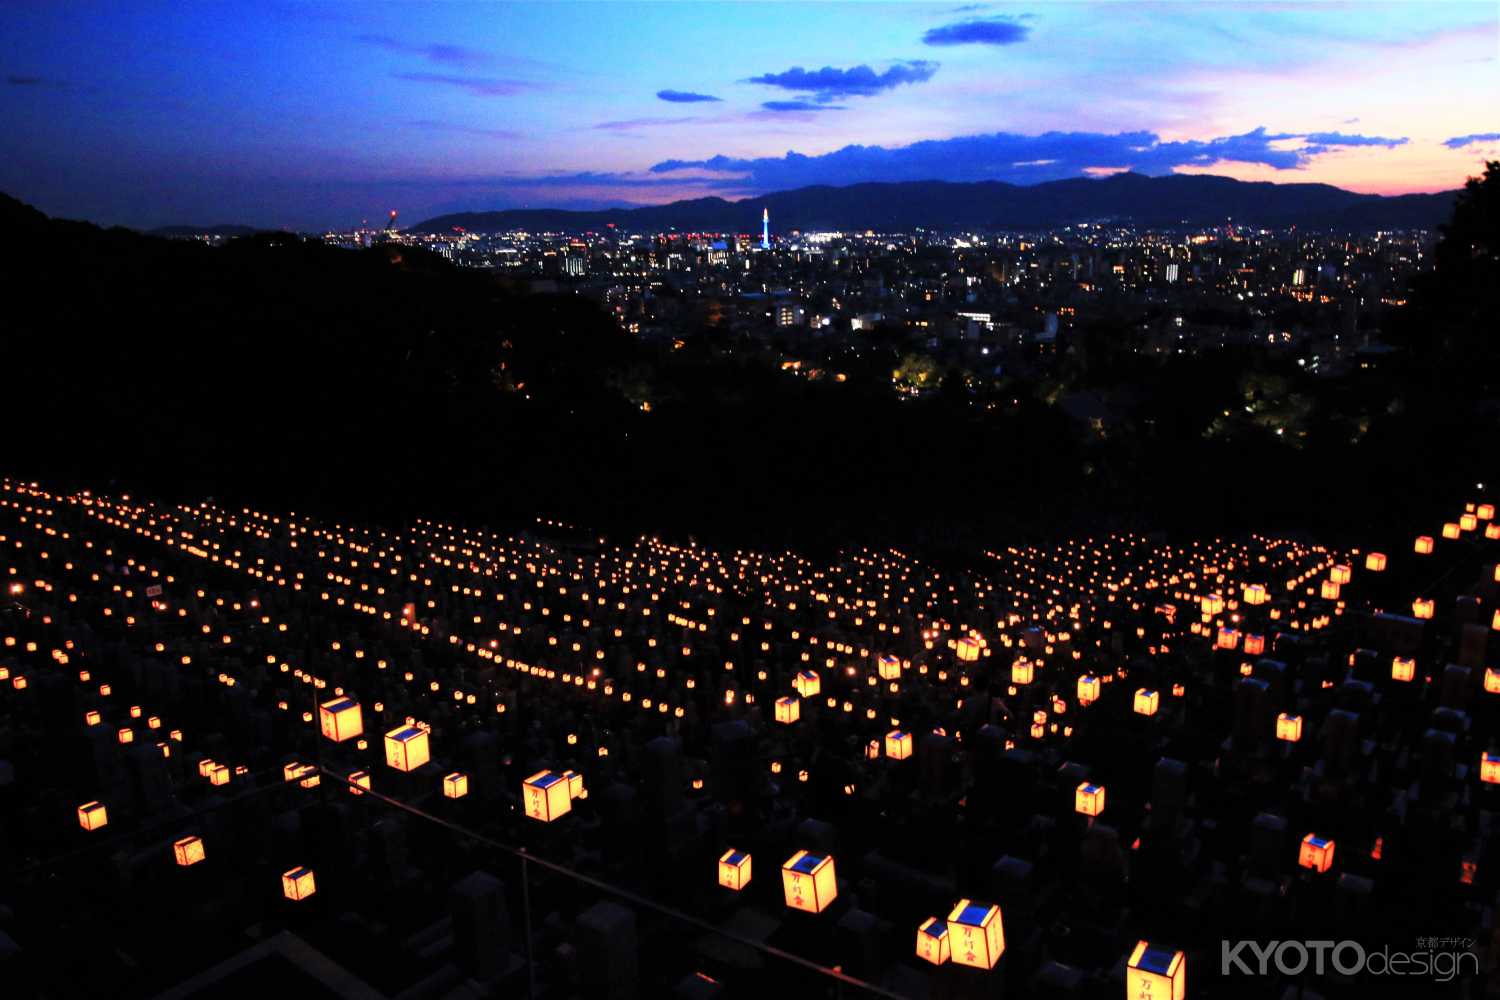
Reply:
x=989 y=31
x=1323 y=140
x=1460 y=141
x=830 y=83
x=481 y=86
x=684 y=97
x=450 y=55
x=1004 y=156
x=789 y=106
x=635 y=123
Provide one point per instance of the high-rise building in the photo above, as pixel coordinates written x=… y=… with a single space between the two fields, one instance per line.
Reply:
x=1172 y=272
x=765 y=229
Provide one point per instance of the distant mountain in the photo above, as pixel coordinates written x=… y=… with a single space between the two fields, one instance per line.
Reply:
x=1171 y=200
x=225 y=230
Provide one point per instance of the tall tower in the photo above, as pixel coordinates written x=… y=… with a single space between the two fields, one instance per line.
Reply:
x=765 y=229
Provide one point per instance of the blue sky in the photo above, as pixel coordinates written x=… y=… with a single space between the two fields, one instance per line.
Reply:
x=323 y=114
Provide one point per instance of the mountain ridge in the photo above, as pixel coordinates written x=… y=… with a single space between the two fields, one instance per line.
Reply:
x=1176 y=199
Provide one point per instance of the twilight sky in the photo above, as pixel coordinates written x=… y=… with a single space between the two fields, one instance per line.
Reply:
x=323 y=114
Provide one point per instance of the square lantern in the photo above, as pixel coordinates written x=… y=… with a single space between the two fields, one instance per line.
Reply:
x=575 y=785
x=1492 y=680
x=734 y=869
x=898 y=744
x=1255 y=593
x=298 y=883
x=788 y=709
x=1403 y=668
x=1316 y=853
x=218 y=774
x=406 y=748
x=976 y=934
x=1450 y=530
x=1089 y=799
x=1146 y=701
x=1088 y=689
x=125 y=734
x=1153 y=973
x=1423 y=546
x=1489 y=768
x=188 y=851
x=1289 y=727
x=889 y=666
x=546 y=795
x=968 y=648
x=808 y=684
x=1329 y=591
x=1255 y=644
x=455 y=785
x=1340 y=573
x=808 y=882
x=1422 y=607
x=359 y=780
x=340 y=719
x=932 y=941
x=1492 y=531
x=1375 y=562
x=1022 y=672
x=92 y=815
x=1486 y=511
x=91 y=718
x=1228 y=638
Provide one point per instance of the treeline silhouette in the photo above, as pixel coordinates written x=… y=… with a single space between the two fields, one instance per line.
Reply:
x=387 y=383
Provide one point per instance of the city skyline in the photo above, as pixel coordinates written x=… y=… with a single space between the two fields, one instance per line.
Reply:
x=314 y=115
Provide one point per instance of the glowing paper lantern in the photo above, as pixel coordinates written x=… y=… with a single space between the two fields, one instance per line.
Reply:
x=1316 y=853
x=298 y=883
x=92 y=815
x=932 y=941
x=1423 y=545
x=1289 y=727
x=1403 y=668
x=1489 y=768
x=1021 y=672
x=1089 y=799
x=976 y=934
x=1422 y=607
x=788 y=709
x=1088 y=689
x=807 y=683
x=406 y=748
x=1492 y=680
x=734 y=869
x=340 y=719
x=808 y=882
x=889 y=667
x=897 y=744
x=188 y=851
x=455 y=785
x=1375 y=562
x=1153 y=973
x=968 y=648
x=1340 y=574
x=1146 y=701
x=1255 y=593
x=546 y=796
